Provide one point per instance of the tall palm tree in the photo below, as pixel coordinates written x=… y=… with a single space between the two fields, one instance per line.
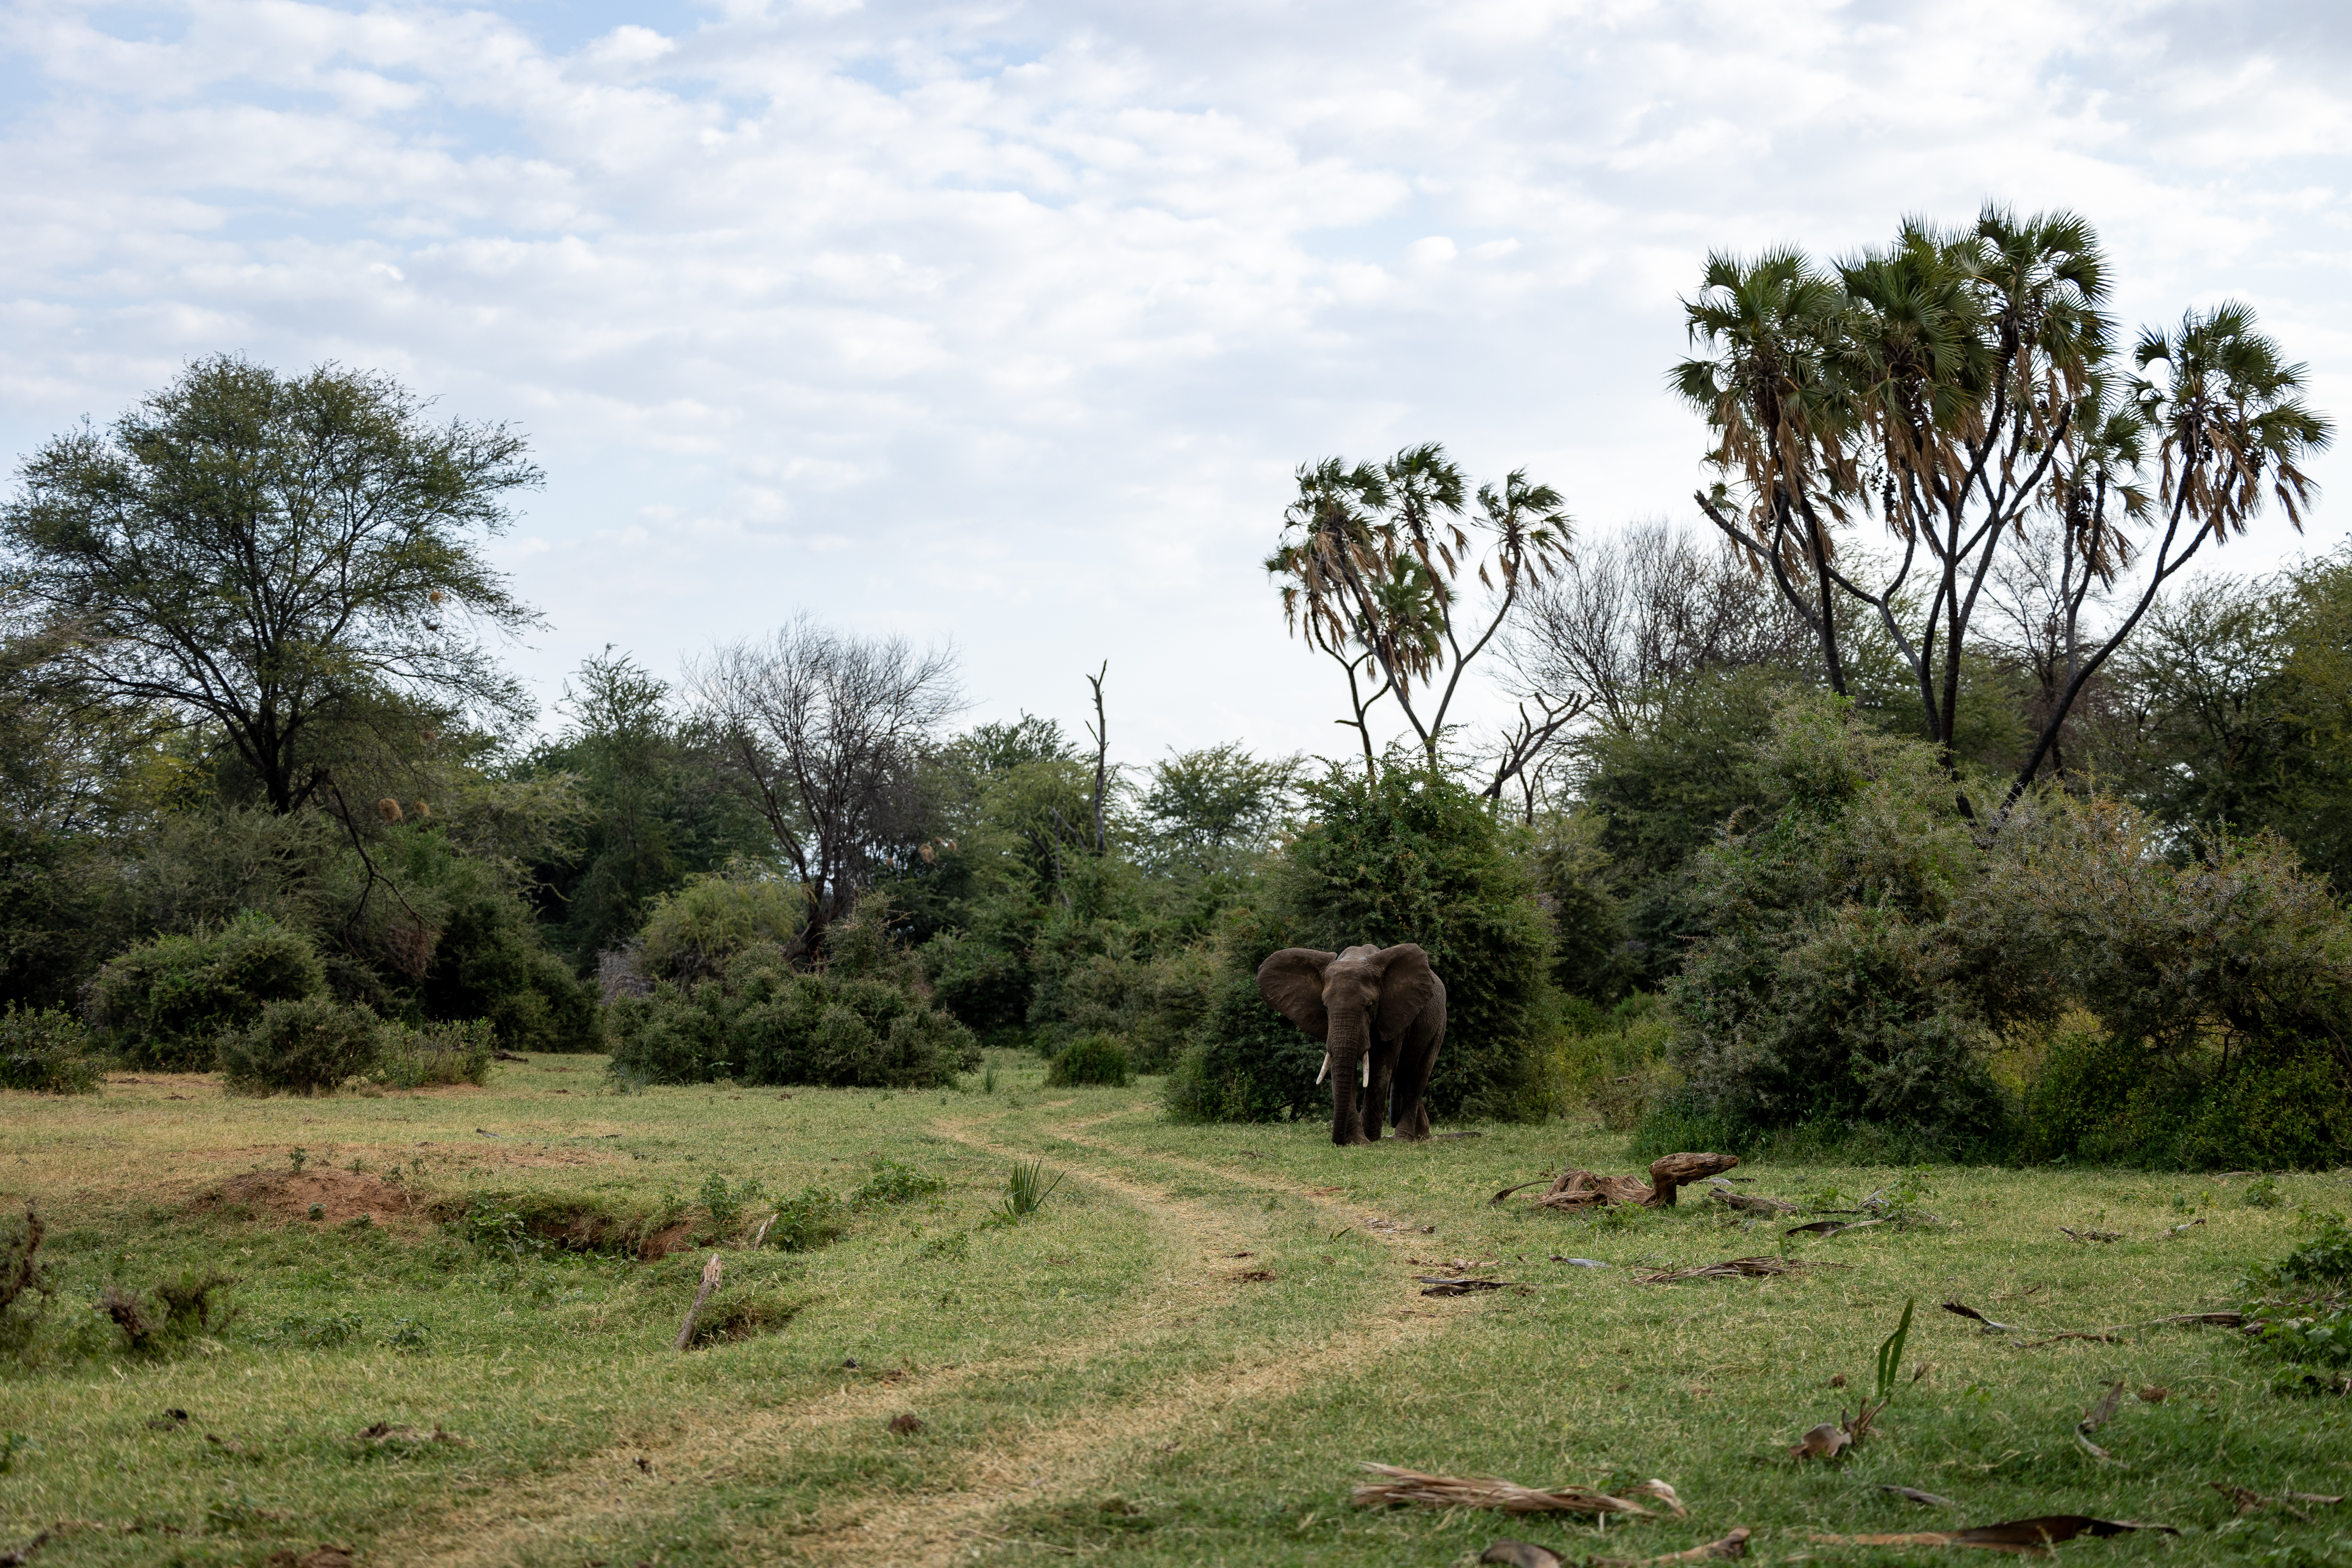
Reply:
x=2232 y=432
x=1768 y=386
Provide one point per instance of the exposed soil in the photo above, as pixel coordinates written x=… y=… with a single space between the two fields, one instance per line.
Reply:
x=287 y=1195
x=661 y=1243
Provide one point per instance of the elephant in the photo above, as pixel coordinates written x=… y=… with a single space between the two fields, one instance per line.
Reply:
x=1380 y=1013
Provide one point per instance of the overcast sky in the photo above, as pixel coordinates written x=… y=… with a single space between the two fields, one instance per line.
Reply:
x=1007 y=322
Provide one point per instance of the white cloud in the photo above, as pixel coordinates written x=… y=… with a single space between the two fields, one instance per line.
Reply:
x=1009 y=323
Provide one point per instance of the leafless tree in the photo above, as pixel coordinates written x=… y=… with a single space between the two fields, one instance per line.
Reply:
x=824 y=732
x=1651 y=605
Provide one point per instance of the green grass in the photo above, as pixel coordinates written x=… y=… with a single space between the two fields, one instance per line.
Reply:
x=1100 y=1377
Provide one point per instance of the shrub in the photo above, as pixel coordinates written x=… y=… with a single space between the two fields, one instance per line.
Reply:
x=984 y=987
x=166 y=1005
x=2300 y=1315
x=893 y=1184
x=301 y=1048
x=764 y=1022
x=1091 y=1058
x=489 y=962
x=1405 y=859
x=808 y=1220
x=698 y=931
x=410 y=1057
x=1824 y=991
x=47 y=1051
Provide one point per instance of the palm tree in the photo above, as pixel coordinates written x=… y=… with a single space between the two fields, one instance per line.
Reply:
x=1769 y=387
x=2232 y=432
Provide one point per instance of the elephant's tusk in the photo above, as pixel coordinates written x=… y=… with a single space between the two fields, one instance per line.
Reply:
x=1368 y=1069
x=1324 y=1069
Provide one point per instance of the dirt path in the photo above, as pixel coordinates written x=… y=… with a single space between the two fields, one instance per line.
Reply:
x=609 y=1492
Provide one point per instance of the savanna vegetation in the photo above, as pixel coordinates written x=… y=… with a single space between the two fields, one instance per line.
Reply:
x=1913 y=822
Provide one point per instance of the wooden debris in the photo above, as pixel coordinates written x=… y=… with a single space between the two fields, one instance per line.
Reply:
x=2026 y=1537
x=1586 y=1189
x=2072 y=1235
x=1733 y=1545
x=1912 y=1494
x=1737 y=1268
x=2250 y=1502
x=1442 y=1287
x=711 y=1272
x=2109 y=1335
x=1400 y=1486
x=2098 y=1416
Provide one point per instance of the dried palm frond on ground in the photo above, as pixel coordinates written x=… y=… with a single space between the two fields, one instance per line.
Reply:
x=1738 y=1269
x=1528 y=1554
x=2026 y=1537
x=1398 y=1486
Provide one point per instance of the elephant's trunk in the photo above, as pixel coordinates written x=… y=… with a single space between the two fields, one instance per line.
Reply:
x=1347 y=1042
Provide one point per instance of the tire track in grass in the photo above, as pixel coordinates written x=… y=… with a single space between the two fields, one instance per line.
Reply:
x=1078 y=1455
x=607 y=1493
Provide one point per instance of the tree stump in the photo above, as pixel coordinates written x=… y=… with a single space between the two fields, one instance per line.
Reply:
x=1585 y=1189
x=1672 y=1170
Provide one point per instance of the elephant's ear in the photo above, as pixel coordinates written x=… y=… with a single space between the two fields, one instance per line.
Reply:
x=1407 y=982
x=1292 y=982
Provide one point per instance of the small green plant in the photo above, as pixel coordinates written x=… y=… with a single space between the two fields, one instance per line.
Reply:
x=12 y=1445
x=318 y=1211
x=1900 y=1203
x=893 y=1183
x=407 y=1334
x=987 y=1078
x=297 y=1157
x=806 y=1221
x=726 y=1206
x=1823 y=1200
x=2264 y=1194
x=954 y=1245
x=2300 y=1313
x=1025 y=1191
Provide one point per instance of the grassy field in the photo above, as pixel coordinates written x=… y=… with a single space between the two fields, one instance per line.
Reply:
x=1183 y=1356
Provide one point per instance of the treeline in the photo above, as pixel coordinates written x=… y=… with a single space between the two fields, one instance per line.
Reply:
x=1926 y=809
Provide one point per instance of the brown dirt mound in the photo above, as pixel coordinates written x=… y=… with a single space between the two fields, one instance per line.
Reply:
x=342 y=1194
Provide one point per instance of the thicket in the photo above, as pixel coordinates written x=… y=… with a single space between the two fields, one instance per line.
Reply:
x=860 y=1021
x=1873 y=960
x=1407 y=857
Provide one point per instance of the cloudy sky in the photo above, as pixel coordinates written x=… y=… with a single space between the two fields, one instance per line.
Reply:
x=1007 y=322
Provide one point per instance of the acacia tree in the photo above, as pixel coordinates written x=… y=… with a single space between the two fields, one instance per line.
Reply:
x=826 y=734
x=1960 y=385
x=281 y=557
x=1371 y=563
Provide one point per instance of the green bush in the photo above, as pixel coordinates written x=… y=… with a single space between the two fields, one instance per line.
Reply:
x=2300 y=1315
x=308 y=1046
x=489 y=962
x=2123 y=1102
x=48 y=1052
x=1091 y=1058
x=1407 y=860
x=984 y=987
x=410 y=1057
x=764 y=1022
x=1826 y=990
x=166 y=1005
x=696 y=932
x=810 y=1219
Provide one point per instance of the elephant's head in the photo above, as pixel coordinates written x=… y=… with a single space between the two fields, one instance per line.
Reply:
x=1344 y=999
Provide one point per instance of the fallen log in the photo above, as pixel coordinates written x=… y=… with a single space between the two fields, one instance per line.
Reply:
x=1586 y=1189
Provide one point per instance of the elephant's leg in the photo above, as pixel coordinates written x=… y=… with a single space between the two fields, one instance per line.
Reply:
x=1417 y=1057
x=1377 y=1107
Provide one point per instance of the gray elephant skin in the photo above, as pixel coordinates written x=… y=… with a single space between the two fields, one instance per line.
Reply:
x=1381 y=1015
